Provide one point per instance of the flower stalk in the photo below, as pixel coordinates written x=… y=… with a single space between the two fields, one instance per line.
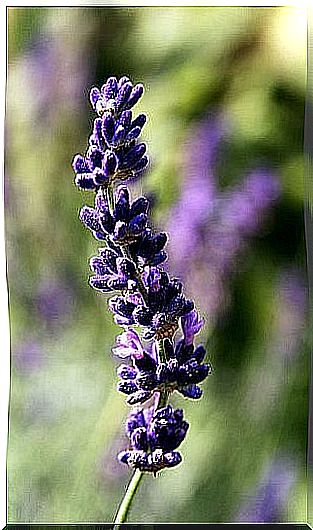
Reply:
x=125 y=505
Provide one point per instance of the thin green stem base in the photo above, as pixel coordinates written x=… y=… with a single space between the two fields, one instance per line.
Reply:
x=126 y=502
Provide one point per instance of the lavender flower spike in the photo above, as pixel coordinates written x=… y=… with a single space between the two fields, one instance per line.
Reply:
x=159 y=323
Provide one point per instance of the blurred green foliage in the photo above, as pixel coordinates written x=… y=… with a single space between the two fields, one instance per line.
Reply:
x=65 y=415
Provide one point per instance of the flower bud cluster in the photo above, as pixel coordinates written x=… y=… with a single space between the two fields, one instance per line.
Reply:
x=145 y=297
x=113 y=151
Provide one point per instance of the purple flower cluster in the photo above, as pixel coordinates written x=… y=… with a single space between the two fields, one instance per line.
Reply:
x=182 y=369
x=113 y=151
x=154 y=436
x=130 y=266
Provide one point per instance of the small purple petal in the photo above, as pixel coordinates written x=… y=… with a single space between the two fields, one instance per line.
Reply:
x=109 y=163
x=80 y=164
x=128 y=344
x=123 y=80
x=94 y=96
x=109 y=89
x=135 y=298
x=90 y=218
x=152 y=277
x=85 y=181
x=191 y=325
x=135 y=95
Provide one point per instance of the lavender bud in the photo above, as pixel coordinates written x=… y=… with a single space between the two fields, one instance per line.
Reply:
x=123 y=80
x=133 y=134
x=191 y=391
x=123 y=94
x=138 y=397
x=139 y=440
x=138 y=224
x=126 y=372
x=109 y=89
x=135 y=95
x=108 y=127
x=127 y=387
x=109 y=163
x=98 y=266
x=90 y=218
x=125 y=119
x=100 y=283
x=85 y=181
x=99 y=177
x=94 y=96
x=121 y=210
x=80 y=164
x=139 y=206
x=139 y=121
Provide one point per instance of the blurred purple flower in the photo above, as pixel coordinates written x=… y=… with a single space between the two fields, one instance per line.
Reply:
x=269 y=502
x=54 y=301
x=210 y=228
x=198 y=190
x=291 y=314
x=27 y=356
x=109 y=467
x=56 y=71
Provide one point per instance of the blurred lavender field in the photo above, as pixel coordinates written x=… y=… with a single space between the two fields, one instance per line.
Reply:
x=225 y=99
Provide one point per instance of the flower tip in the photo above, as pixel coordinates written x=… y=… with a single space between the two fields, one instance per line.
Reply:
x=94 y=95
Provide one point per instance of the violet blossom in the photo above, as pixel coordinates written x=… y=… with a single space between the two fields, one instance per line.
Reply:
x=159 y=322
x=209 y=227
x=269 y=501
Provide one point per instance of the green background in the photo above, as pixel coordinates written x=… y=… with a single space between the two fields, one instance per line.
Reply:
x=66 y=418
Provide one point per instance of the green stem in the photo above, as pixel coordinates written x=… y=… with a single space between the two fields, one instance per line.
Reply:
x=127 y=500
x=141 y=288
x=161 y=351
x=110 y=197
x=162 y=358
x=163 y=400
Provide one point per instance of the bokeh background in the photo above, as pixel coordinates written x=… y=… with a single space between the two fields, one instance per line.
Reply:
x=225 y=96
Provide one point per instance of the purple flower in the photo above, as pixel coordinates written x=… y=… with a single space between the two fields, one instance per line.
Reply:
x=28 y=356
x=113 y=152
x=112 y=272
x=154 y=438
x=243 y=207
x=128 y=344
x=127 y=226
x=291 y=314
x=268 y=502
x=131 y=262
x=54 y=301
x=191 y=325
x=158 y=311
x=182 y=370
x=198 y=190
